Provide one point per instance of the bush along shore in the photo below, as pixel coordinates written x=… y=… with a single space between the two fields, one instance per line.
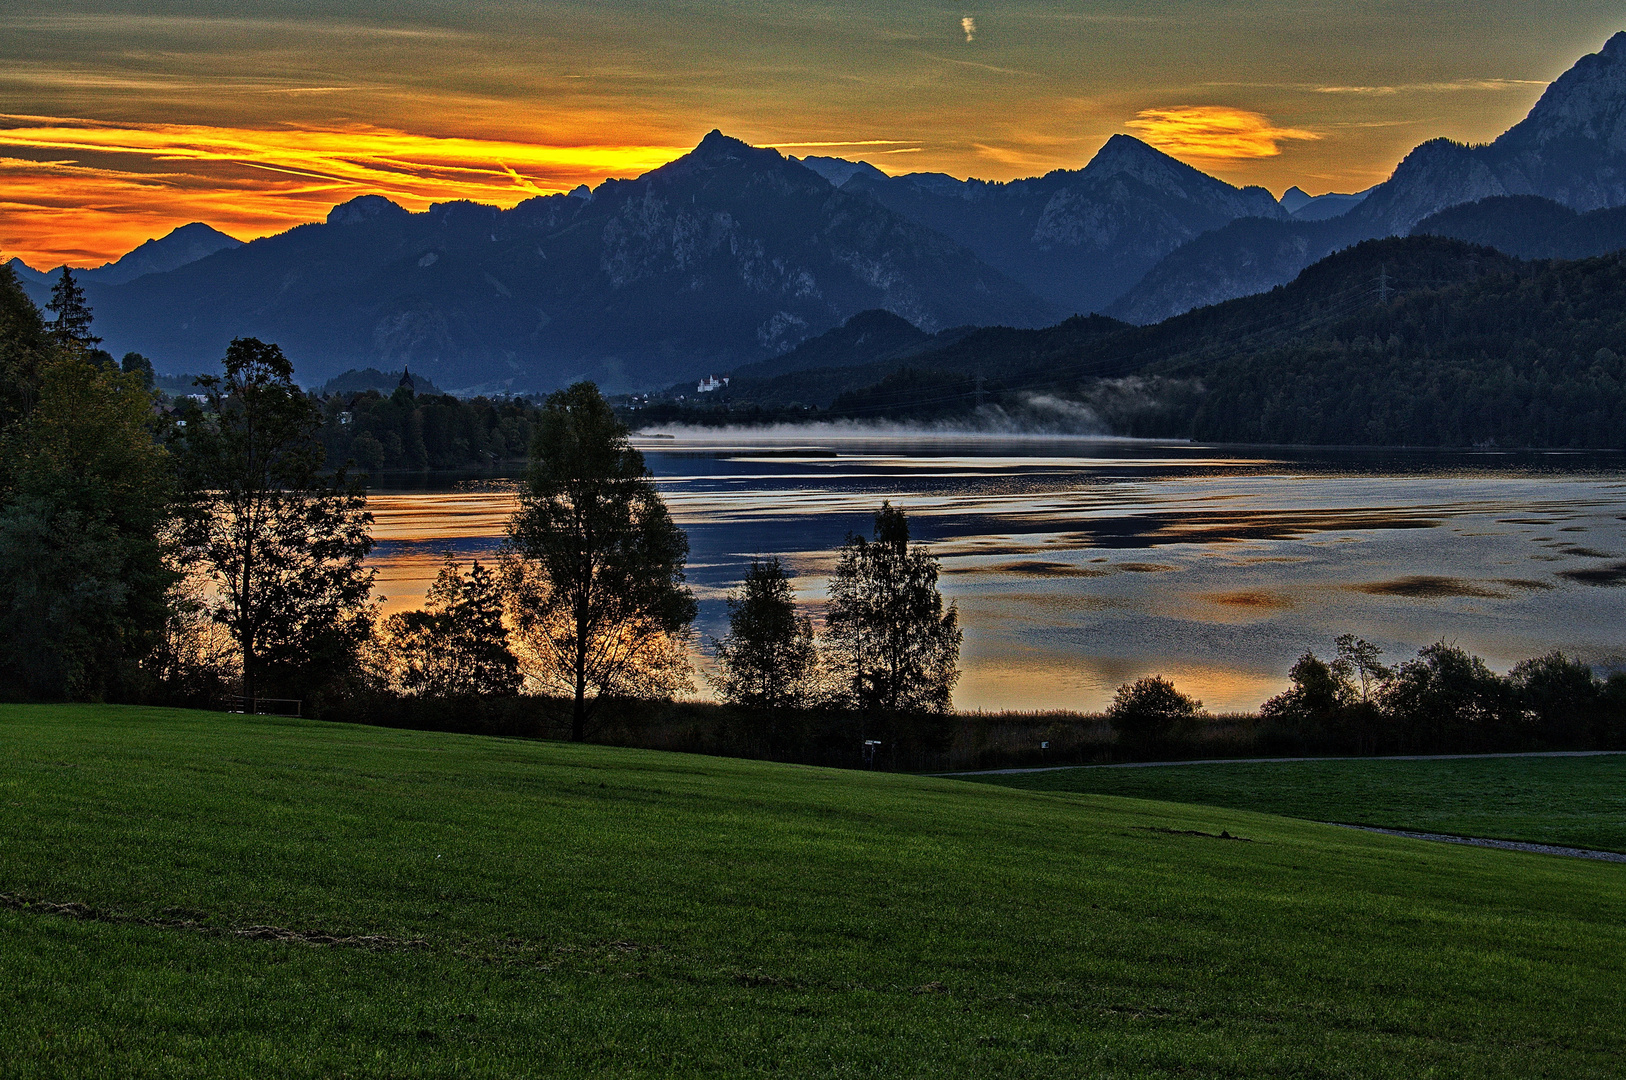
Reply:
x=1444 y=701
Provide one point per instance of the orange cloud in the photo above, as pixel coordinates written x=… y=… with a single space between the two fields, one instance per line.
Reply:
x=1213 y=132
x=83 y=191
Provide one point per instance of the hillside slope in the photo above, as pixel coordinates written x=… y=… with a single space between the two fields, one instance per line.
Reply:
x=1420 y=341
x=292 y=898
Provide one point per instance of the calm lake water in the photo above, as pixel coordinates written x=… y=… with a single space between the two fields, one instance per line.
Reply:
x=1079 y=564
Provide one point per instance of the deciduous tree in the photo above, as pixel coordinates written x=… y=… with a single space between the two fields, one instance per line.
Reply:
x=1148 y=712
x=595 y=566
x=83 y=571
x=887 y=635
x=283 y=544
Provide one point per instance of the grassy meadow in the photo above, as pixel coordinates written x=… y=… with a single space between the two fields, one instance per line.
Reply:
x=1578 y=801
x=193 y=894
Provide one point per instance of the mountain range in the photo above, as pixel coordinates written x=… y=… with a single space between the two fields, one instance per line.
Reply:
x=181 y=246
x=727 y=255
x=732 y=256
x=1570 y=149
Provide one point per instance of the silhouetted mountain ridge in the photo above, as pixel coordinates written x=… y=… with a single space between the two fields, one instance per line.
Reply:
x=727 y=255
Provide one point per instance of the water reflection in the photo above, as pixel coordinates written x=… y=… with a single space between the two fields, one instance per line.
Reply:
x=1078 y=564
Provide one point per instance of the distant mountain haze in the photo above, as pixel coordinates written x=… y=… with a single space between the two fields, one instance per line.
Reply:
x=1302 y=206
x=1571 y=148
x=727 y=255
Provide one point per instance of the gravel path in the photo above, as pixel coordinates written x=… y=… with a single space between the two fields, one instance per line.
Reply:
x=1286 y=760
x=1506 y=845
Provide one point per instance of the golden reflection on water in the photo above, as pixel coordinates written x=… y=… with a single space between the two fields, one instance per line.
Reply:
x=1076 y=573
x=414 y=529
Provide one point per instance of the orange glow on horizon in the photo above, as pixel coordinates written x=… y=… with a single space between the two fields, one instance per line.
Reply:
x=142 y=180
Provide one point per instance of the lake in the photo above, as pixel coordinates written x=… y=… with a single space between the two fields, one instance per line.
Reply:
x=1078 y=564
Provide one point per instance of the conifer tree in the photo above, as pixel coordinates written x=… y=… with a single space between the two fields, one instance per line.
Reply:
x=71 y=328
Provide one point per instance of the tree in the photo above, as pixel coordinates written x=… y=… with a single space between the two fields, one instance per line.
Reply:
x=1448 y=699
x=283 y=544
x=1360 y=660
x=71 y=328
x=85 y=507
x=457 y=646
x=1560 y=699
x=25 y=345
x=135 y=363
x=1147 y=713
x=767 y=658
x=1320 y=692
x=894 y=647
x=595 y=567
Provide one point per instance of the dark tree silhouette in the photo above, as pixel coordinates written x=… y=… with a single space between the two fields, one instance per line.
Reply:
x=457 y=645
x=136 y=364
x=595 y=566
x=767 y=658
x=887 y=635
x=1148 y=713
x=71 y=328
x=283 y=544
x=85 y=496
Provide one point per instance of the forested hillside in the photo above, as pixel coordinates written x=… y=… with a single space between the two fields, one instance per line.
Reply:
x=1421 y=340
x=1530 y=356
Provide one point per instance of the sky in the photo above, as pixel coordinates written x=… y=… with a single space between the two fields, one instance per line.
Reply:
x=121 y=121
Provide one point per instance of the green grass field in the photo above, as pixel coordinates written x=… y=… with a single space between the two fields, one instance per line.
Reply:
x=516 y=908
x=1573 y=801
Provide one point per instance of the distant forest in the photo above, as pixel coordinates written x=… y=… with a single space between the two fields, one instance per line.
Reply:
x=403 y=430
x=424 y=431
x=1416 y=341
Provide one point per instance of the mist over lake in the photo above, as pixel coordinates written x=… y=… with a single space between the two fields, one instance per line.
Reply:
x=1079 y=564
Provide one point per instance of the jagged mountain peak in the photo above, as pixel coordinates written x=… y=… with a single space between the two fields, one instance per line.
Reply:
x=1125 y=155
x=364 y=208
x=1586 y=102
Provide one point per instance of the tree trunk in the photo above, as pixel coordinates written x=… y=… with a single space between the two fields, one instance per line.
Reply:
x=578 y=714
x=250 y=683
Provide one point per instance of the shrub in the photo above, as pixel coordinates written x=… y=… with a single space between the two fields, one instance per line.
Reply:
x=1148 y=713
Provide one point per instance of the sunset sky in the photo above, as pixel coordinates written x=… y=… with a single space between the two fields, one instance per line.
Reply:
x=120 y=121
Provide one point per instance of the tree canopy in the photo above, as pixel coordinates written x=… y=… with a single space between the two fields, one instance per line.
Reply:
x=767 y=659
x=596 y=564
x=886 y=632
x=283 y=543
x=457 y=645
